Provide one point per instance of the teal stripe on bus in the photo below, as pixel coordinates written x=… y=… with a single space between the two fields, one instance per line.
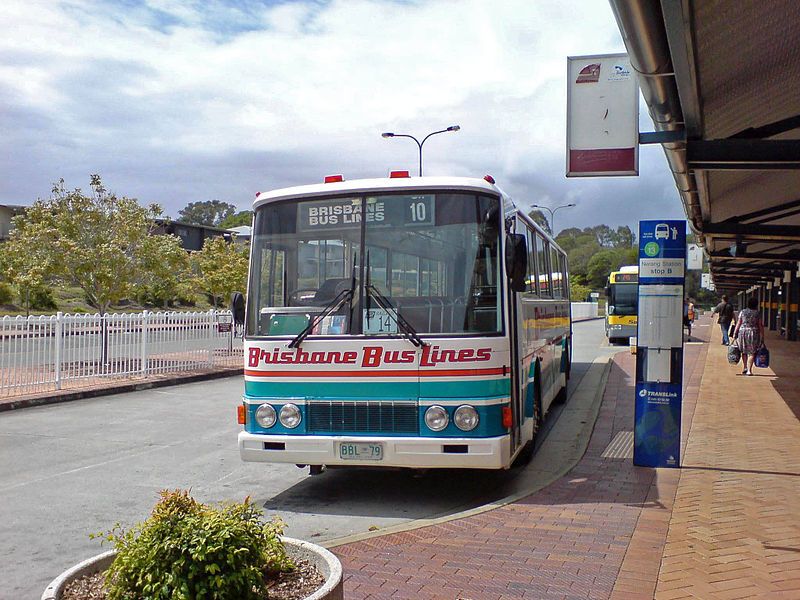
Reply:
x=465 y=388
x=332 y=389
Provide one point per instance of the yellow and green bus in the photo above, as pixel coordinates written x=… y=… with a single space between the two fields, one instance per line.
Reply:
x=622 y=304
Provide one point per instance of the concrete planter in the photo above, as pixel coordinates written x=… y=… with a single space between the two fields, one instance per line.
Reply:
x=322 y=559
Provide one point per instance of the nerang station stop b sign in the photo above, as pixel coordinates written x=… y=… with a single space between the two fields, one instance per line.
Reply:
x=602 y=116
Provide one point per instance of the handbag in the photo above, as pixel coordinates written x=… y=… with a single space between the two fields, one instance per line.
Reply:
x=734 y=354
x=762 y=358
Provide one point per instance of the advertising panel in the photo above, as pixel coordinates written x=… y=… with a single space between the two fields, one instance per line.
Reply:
x=657 y=437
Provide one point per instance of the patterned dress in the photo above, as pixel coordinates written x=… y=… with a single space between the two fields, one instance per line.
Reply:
x=749 y=331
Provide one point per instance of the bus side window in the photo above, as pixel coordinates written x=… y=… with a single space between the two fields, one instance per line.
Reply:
x=556 y=276
x=543 y=254
x=531 y=276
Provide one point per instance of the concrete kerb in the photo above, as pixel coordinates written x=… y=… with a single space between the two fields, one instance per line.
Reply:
x=122 y=388
x=580 y=414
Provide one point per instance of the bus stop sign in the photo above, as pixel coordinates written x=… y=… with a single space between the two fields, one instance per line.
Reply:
x=659 y=354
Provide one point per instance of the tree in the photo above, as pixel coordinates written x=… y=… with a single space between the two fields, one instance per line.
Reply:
x=209 y=213
x=603 y=233
x=96 y=242
x=221 y=268
x=539 y=218
x=165 y=270
x=244 y=217
x=623 y=237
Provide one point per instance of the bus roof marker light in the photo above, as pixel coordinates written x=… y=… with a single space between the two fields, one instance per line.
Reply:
x=398 y=174
x=334 y=178
x=489 y=178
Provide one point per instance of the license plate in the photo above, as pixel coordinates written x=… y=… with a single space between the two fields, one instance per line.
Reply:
x=366 y=451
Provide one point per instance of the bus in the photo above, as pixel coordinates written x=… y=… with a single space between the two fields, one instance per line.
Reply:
x=403 y=322
x=622 y=304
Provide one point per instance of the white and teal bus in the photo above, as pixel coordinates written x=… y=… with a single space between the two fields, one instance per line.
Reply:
x=400 y=322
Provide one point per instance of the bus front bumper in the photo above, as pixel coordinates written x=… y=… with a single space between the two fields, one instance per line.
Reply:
x=409 y=452
x=621 y=331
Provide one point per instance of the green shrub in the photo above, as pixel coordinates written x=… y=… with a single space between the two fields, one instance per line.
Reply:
x=187 y=550
x=6 y=294
x=38 y=298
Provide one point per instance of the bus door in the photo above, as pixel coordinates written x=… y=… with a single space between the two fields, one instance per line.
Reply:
x=517 y=352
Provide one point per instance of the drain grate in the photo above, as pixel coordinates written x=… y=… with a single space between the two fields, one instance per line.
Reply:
x=620 y=447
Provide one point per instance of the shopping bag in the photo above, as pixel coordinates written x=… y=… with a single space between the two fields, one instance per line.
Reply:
x=762 y=358
x=734 y=354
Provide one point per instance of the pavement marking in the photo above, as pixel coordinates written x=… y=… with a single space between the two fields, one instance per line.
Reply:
x=620 y=447
x=580 y=413
x=153 y=448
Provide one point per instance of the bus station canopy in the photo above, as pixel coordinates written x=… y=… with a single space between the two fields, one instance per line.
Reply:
x=721 y=79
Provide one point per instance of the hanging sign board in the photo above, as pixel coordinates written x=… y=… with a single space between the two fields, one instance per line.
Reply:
x=694 y=258
x=602 y=116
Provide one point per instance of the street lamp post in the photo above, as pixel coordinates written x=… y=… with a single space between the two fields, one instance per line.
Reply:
x=552 y=212
x=389 y=134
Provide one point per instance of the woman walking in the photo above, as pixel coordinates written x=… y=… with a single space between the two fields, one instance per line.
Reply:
x=749 y=334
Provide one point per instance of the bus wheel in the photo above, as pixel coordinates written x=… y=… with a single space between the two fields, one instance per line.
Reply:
x=525 y=455
x=316 y=469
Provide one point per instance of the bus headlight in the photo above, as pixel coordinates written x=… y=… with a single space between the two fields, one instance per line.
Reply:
x=265 y=416
x=290 y=416
x=466 y=418
x=436 y=418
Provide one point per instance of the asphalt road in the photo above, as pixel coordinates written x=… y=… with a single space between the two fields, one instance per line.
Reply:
x=72 y=469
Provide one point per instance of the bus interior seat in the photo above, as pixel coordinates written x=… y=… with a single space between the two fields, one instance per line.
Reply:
x=329 y=289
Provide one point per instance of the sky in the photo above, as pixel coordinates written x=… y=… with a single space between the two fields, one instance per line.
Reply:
x=173 y=102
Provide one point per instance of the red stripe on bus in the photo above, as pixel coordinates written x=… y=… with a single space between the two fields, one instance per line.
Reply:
x=384 y=373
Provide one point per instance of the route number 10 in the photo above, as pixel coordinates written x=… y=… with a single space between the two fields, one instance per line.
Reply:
x=418 y=212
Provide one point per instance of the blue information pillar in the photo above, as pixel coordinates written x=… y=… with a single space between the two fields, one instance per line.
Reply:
x=659 y=353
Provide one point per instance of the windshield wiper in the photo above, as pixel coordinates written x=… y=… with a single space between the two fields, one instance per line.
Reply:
x=402 y=325
x=330 y=308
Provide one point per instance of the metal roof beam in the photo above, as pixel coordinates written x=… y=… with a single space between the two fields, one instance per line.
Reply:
x=736 y=154
x=766 y=131
x=756 y=233
x=780 y=267
x=792 y=255
x=765 y=212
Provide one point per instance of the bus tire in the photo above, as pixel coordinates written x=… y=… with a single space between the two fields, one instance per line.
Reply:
x=316 y=469
x=525 y=455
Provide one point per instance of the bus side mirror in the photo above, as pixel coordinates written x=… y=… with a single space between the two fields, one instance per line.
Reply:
x=608 y=291
x=237 y=307
x=516 y=261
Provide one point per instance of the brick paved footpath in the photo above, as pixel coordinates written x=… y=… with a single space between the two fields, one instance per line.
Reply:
x=571 y=539
x=735 y=528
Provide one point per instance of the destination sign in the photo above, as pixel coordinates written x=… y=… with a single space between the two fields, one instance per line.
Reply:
x=346 y=213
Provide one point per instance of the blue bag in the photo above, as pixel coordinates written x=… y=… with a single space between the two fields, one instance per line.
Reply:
x=762 y=358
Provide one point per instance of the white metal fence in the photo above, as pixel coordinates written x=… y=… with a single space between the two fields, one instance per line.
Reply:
x=55 y=352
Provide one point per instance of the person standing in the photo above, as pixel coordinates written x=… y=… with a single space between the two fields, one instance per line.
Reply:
x=725 y=311
x=688 y=316
x=749 y=334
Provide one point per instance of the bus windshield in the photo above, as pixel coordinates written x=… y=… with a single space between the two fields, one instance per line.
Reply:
x=433 y=256
x=624 y=298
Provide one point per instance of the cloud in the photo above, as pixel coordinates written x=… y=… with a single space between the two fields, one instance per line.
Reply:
x=175 y=101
